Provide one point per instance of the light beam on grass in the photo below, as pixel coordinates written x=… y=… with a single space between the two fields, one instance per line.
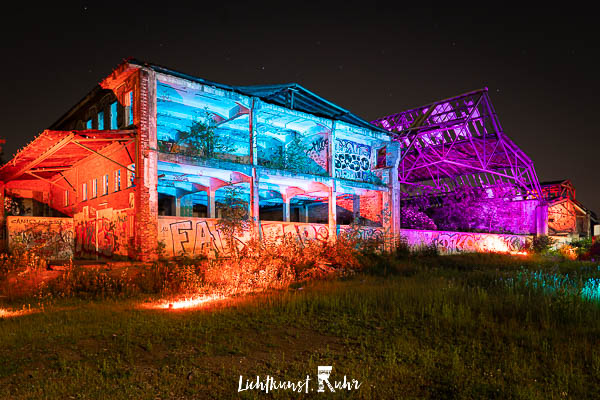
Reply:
x=4 y=313
x=185 y=303
x=519 y=253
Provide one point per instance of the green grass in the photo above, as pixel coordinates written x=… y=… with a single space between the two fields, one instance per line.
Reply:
x=425 y=327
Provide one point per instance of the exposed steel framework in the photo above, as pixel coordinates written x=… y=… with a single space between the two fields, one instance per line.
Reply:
x=459 y=142
x=52 y=153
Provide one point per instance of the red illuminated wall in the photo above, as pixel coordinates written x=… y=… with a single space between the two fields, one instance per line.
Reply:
x=562 y=218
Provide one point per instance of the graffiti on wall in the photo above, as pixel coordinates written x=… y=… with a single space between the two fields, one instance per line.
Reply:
x=318 y=149
x=453 y=242
x=272 y=230
x=201 y=237
x=51 y=237
x=364 y=232
x=352 y=160
x=194 y=237
x=104 y=232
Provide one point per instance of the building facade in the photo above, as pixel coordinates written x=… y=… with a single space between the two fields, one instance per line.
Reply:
x=153 y=156
x=566 y=216
x=152 y=160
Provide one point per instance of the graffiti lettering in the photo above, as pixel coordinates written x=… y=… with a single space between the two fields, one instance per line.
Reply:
x=318 y=149
x=52 y=238
x=201 y=236
x=352 y=160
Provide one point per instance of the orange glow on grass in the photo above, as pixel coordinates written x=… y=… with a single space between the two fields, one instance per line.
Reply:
x=4 y=313
x=519 y=253
x=186 y=303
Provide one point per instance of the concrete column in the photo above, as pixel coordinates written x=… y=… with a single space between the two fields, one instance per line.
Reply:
x=332 y=190
x=306 y=213
x=393 y=206
x=286 y=209
x=541 y=219
x=332 y=213
x=355 y=207
x=587 y=224
x=331 y=150
x=146 y=171
x=212 y=209
x=254 y=205
x=254 y=105
x=386 y=219
x=175 y=206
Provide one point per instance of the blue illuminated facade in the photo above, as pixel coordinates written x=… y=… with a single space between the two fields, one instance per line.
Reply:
x=290 y=139
x=169 y=149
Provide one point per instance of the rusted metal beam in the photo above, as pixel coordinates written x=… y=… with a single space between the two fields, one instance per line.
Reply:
x=102 y=155
x=48 y=153
x=49 y=181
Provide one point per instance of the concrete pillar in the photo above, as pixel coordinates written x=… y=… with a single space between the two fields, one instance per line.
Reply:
x=146 y=171
x=255 y=104
x=332 y=213
x=212 y=210
x=386 y=219
x=393 y=206
x=331 y=150
x=587 y=226
x=541 y=219
x=254 y=198
x=177 y=205
x=286 y=209
x=306 y=213
x=332 y=190
x=254 y=205
x=355 y=207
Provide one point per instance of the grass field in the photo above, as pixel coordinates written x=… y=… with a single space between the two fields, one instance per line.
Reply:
x=464 y=326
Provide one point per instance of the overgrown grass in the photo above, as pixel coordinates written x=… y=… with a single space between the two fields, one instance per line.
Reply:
x=463 y=326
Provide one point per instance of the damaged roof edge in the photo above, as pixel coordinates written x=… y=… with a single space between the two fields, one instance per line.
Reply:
x=267 y=93
x=317 y=105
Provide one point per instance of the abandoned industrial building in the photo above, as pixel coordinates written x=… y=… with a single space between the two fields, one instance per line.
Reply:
x=152 y=155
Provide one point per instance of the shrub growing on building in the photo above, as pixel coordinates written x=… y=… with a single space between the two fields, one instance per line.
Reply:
x=541 y=244
x=202 y=140
x=234 y=219
x=413 y=218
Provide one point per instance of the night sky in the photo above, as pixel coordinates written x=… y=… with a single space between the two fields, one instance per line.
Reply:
x=541 y=69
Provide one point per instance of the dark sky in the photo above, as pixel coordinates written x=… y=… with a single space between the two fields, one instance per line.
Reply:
x=541 y=69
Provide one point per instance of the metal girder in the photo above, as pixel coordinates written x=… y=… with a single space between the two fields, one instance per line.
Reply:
x=49 y=181
x=48 y=153
x=102 y=155
x=459 y=136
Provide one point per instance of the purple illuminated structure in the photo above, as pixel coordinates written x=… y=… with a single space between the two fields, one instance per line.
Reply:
x=459 y=142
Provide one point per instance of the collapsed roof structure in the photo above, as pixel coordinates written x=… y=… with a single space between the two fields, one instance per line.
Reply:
x=459 y=142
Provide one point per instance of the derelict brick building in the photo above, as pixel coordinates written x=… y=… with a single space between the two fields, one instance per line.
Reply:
x=114 y=171
x=149 y=159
